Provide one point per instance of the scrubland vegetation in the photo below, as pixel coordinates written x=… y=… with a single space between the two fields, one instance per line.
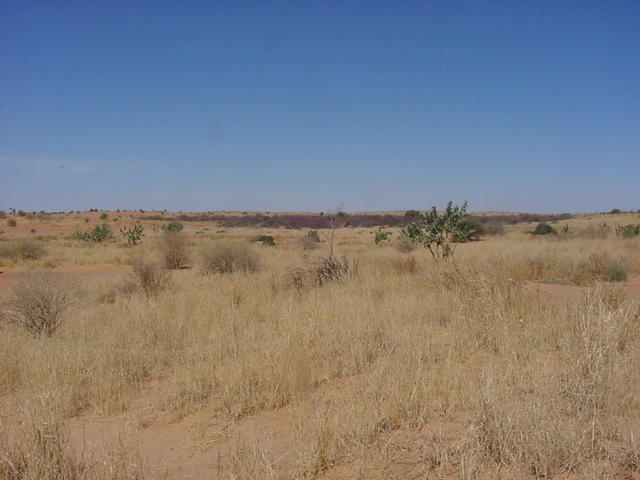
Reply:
x=516 y=357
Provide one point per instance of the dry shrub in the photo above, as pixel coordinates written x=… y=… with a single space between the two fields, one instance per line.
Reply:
x=223 y=257
x=39 y=303
x=149 y=276
x=173 y=246
x=321 y=271
x=593 y=232
x=405 y=244
x=331 y=268
x=23 y=248
x=493 y=228
x=630 y=458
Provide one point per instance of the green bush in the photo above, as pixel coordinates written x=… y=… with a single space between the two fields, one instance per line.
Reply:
x=12 y=223
x=473 y=230
x=100 y=233
x=223 y=257
x=615 y=271
x=173 y=227
x=628 y=231
x=543 y=228
x=382 y=236
x=266 y=240
x=436 y=231
x=23 y=248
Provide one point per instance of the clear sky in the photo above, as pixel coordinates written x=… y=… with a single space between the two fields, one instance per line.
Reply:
x=301 y=105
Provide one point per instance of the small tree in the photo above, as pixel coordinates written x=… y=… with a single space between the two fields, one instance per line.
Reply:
x=133 y=235
x=437 y=231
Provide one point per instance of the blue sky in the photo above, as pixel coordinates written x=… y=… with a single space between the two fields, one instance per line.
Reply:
x=514 y=106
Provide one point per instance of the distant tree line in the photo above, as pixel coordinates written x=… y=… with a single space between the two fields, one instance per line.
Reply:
x=358 y=220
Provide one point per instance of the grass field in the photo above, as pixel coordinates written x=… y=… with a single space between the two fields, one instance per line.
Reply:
x=517 y=358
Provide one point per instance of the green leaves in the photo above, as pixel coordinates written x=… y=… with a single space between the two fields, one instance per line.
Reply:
x=437 y=231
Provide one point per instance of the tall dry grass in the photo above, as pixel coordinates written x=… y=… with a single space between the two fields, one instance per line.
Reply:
x=539 y=388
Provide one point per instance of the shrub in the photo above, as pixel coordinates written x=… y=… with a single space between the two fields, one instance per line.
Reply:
x=150 y=277
x=615 y=211
x=473 y=230
x=311 y=240
x=173 y=227
x=100 y=233
x=39 y=303
x=436 y=231
x=266 y=240
x=615 y=271
x=133 y=235
x=12 y=223
x=406 y=244
x=412 y=213
x=543 y=228
x=382 y=236
x=24 y=248
x=173 y=246
x=223 y=257
x=21 y=213
x=628 y=231
x=322 y=271
x=493 y=228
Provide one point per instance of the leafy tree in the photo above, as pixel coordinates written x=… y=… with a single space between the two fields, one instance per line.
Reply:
x=437 y=231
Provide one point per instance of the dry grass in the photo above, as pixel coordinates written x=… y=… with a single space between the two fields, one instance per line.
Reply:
x=536 y=388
